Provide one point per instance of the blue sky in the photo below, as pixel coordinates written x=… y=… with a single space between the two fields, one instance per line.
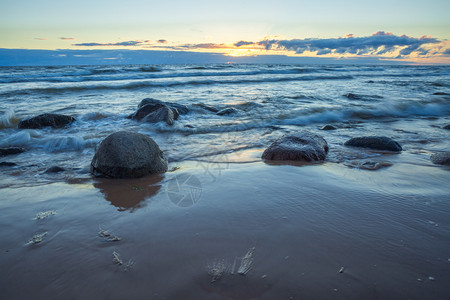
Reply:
x=218 y=26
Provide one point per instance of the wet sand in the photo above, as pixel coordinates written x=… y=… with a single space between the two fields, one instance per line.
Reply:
x=322 y=231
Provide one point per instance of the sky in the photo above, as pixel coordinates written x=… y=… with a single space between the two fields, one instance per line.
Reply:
x=408 y=31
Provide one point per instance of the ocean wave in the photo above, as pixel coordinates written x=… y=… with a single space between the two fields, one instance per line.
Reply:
x=108 y=74
x=8 y=119
x=146 y=84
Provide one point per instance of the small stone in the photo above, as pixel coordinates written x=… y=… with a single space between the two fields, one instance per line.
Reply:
x=431 y=278
x=374 y=142
x=54 y=169
x=441 y=158
x=328 y=127
x=341 y=270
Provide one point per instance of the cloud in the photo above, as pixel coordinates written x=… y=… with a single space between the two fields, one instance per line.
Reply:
x=67 y=38
x=126 y=44
x=377 y=44
x=446 y=52
x=243 y=43
x=162 y=41
x=40 y=39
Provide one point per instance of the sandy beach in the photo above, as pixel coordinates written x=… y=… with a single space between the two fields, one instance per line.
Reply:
x=321 y=231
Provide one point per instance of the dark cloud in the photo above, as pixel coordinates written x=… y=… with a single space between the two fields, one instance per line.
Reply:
x=447 y=52
x=243 y=43
x=127 y=43
x=66 y=38
x=378 y=43
x=162 y=41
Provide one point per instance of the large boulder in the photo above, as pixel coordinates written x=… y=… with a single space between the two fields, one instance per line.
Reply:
x=441 y=158
x=375 y=142
x=127 y=154
x=46 y=120
x=156 y=112
x=182 y=109
x=301 y=146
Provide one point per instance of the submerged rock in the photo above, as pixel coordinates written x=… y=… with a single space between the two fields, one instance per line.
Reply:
x=7 y=164
x=127 y=154
x=441 y=158
x=10 y=151
x=227 y=111
x=301 y=146
x=180 y=108
x=206 y=107
x=369 y=165
x=352 y=96
x=328 y=127
x=375 y=142
x=54 y=169
x=447 y=127
x=46 y=120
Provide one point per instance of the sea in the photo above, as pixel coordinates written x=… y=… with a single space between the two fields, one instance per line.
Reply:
x=222 y=223
x=410 y=104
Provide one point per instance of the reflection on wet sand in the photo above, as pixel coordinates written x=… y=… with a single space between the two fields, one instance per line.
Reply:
x=129 y=194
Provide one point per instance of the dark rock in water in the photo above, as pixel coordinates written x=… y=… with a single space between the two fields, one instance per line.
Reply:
x=153 y=113
x=188 y=126
x=328 y=127
x=374 y=142
x=441 y=158
x=440 y=94
x=447 y=126
x=54 y=169
x=181 y=109
x=10 y=151
x=206 y=107
x=127 y=154
x=301 y=146
x=227 y=111
x=7 y=164
x=352 y=96
x=46 y=120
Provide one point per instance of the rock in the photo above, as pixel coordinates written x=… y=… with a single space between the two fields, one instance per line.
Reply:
x=227 y=111
x=441 y=158
x=153 y=113
x=375 y=142
x=7 y=164
x=10 y=151
x=301 y=146
x=352 y=96
x=440 y=94
x=207 y=107
x=447 y=127
x=328 y=127
x=181 y=109
x=46 y=120
x=369 y=165
x=127 y=154
x=54 y=169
